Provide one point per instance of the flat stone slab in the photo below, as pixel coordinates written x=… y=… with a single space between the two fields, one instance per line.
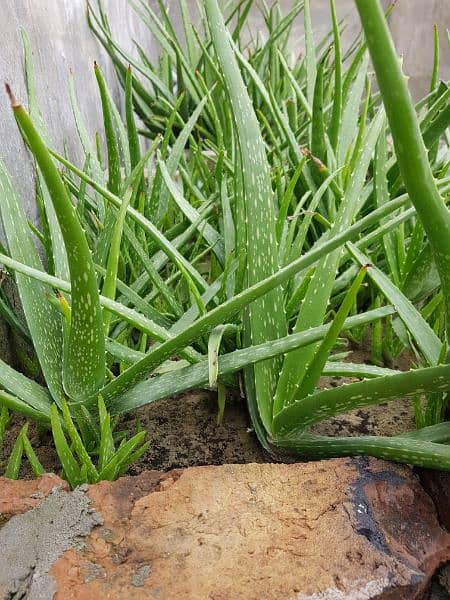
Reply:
x=343 y=529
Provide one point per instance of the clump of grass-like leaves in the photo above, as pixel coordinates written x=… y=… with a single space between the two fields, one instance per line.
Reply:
x=268 y=222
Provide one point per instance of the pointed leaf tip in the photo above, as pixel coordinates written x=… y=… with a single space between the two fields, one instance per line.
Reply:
x=12 y=98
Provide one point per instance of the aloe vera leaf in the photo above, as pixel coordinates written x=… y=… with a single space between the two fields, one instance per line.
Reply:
x=44 y=322
x=9 y=315
x=193 y=53
x=77 y=444
x=120 y=130
x=95 y=167
x=437 y=127
x=318 y=142
x=177 y=152
x=171 y=384
x=214 y=341
x=335 y=122
x=350 y=111
x=107 y=449
x=159 y=284
x=343 y=369
x=112 y=48
x=257 y=213
x=422 y=278
x=439 y=433
x=110 y=280
x=114 y=177
x=401 y=449
x=133 y=138
x=435 y=73
x=17 y=405
x=416 y=243
x=65 y=454
x=313 y=308
x=390 y=224
x=241 y=15
x=381 y=191
x=237 y=303
x=35 y=463
x=5 y=420
x=211 y=293
x=278 y=33
x=83 y=134
x=81 y=194
x=296 y=245
x=287 y=197
x=426 y=340
x=310 y=53
x=24 y=388
x=314 y=370
x=295 y=86
x=141 y=305
x=169 y=43
x=129 y=315
x=173 y=119
x=84 y=355
x=15 y=458
x=267 y=95
x=356 y=148
x=409 y=146
x=319 y=406
x=432 y=105
x=221 y=400
x=133 y=179
x=220 y=313
x=131 y=458
x=289 y=136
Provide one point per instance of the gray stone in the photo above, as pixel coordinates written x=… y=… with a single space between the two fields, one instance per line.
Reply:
x=33 y=541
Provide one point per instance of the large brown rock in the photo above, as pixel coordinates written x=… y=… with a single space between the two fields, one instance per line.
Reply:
x=344 y=529
x=334 y=530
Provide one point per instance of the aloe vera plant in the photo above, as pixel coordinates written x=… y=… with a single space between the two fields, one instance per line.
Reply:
x=239 y=241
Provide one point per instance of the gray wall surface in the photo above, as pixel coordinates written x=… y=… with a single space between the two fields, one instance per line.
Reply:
x=61 y=40
x=411 y=23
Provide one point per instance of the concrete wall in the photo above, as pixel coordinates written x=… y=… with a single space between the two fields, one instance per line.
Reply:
x=412 y=26
x=61 y=40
